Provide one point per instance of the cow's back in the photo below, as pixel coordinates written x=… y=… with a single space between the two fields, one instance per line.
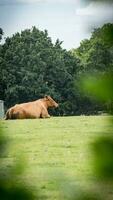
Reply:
x=30 y=109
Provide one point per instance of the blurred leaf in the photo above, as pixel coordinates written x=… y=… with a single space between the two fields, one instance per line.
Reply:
x=99 y=86
x=19 y=165
x=15 y=193
x=102 y=153
x=10 y=189
x=3 y=143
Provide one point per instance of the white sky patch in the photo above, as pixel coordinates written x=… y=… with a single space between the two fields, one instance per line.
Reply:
x=67 y=20
x=49 y=1
x=94 y=15
x=96 y=9
x=9 y=2
x=29 y=1
x=62 y=1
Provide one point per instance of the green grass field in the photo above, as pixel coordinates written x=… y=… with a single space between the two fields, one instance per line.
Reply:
x=57 y=153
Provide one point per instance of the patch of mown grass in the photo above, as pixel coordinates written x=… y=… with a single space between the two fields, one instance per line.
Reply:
x=57 y=151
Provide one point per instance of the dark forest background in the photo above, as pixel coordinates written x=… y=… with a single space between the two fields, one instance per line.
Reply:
x=32 y=66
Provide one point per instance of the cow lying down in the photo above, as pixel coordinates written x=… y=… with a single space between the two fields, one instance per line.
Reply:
x=30 y=110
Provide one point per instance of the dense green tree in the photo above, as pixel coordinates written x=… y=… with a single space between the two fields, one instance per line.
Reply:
x=96 y=54
x=32 y=66
x=1 y=33
x=96 y=57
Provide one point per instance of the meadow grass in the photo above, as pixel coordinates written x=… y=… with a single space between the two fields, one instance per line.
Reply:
x=57 y=153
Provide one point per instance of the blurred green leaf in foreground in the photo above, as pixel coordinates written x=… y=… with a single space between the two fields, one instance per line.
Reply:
x=10 y=188
x=100 y=87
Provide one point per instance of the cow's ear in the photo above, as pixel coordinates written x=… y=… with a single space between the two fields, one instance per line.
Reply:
x=46 y=96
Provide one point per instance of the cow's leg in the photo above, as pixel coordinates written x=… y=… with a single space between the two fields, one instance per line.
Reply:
x=45 y=114
x=7 y=115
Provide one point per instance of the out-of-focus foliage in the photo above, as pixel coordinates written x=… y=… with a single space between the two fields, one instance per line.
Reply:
x=10 y=188
x=100 y=85
x=102 y=151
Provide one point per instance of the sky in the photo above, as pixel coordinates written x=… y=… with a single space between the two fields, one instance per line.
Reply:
x=69 y=20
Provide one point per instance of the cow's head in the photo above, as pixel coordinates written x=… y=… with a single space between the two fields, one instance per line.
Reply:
x=50 y=102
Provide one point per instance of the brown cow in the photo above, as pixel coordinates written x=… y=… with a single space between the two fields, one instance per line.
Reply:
x=30 y=110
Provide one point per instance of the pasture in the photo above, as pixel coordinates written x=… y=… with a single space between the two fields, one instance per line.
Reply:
x=57 y=154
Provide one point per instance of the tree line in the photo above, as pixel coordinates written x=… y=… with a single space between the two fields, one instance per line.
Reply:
x=32 y=66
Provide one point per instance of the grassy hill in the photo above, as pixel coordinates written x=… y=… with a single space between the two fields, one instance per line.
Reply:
x=57 y=154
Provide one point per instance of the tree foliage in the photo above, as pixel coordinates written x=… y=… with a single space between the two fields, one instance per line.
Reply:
x=96 y=58
x=1 y=33
x=33 y=66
